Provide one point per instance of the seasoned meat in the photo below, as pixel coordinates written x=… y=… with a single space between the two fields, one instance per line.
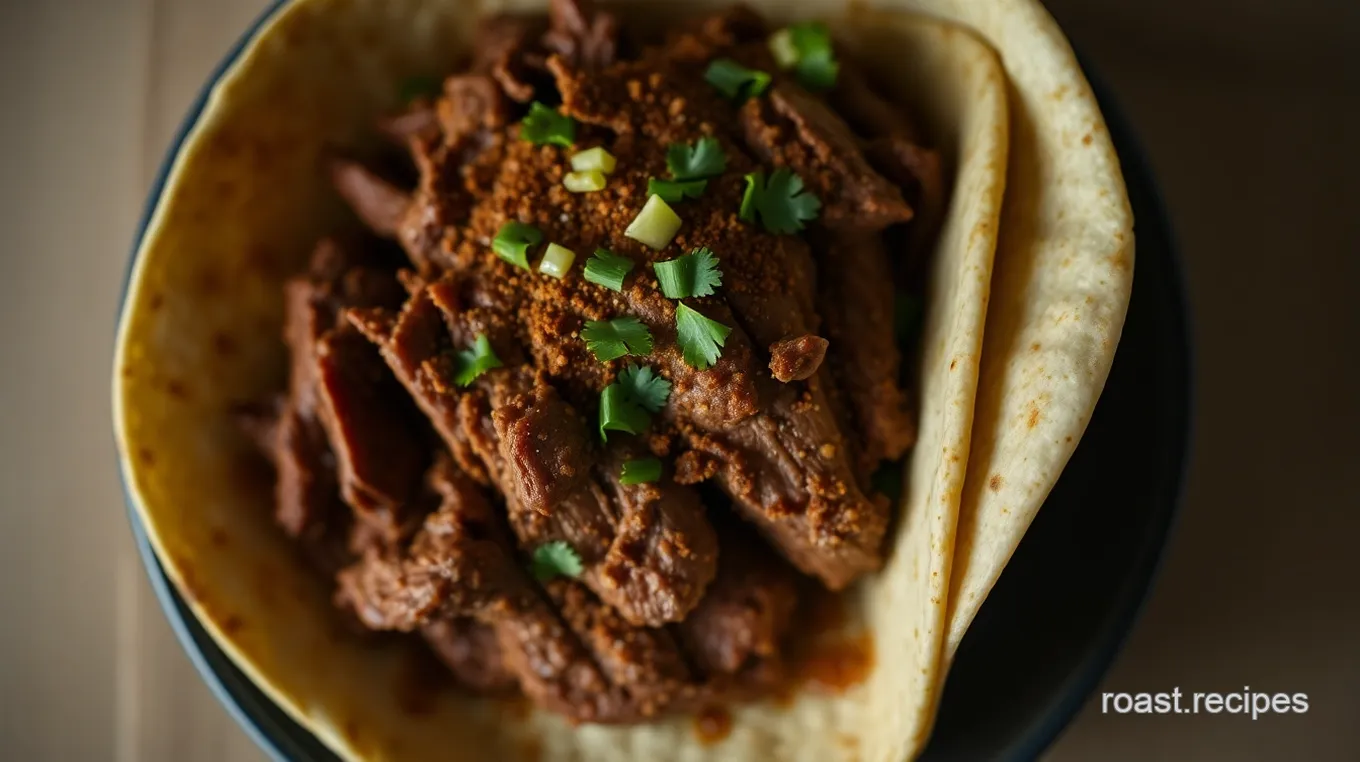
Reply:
x=472 y=652
x=505 y=49
x=747 y=611
x=793 y=129
x=797 y=358
x=856 y=302
x=581 y=34
x=417 y=120
x=379 y=203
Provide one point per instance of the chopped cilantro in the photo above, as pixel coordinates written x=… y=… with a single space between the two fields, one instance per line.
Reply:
x=806 y=48
x=736 y=81
x=555 y=559
x=544 y=125
x=513 y=240
x=616 y=338
x=700 y=161
x=700 y=338
x=640 y=471
x=471 y=363
x=694 y=274
x=641 y=385
x=782 y=203
x=675 y=191
x=605 y=268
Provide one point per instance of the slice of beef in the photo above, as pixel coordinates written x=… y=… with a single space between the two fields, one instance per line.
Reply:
x=793 y=129
x=417 y=120
x=472 y=652
x=643 y=663
x=797 y=358
x=380 y=204
x=506 y=48
x=471 y=103
x=582 y=34
x=747 y=611
x=856 y=300
x=374 y=433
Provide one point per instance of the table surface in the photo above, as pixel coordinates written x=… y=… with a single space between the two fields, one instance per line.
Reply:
x=1250 y=117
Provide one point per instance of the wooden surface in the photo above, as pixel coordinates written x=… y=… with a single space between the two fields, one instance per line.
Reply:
x=1250 y=113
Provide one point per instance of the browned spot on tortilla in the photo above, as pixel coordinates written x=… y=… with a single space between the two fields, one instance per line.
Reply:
x=223 y=344
x=260 y=259
x=1069 y=439
x=218 y=537
x=847 y=741
x=712 y=724
x=995 y=483
x=232 y=624
x=1086 y=139
x=953 y=362
x=223 y=188
x=146 y=456
x=531 y=749
x=155 y=301
x=175 y=388
x=1033 y=415
x=350 y=727
x=128 y=372
x=839 y=665
x=1120 y=260
x=1035 y=347
x=209 y=282
x=1058 y=94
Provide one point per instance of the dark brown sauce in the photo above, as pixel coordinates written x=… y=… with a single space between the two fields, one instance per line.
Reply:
x=823 y=657
x=712 y=724
x=839 y=665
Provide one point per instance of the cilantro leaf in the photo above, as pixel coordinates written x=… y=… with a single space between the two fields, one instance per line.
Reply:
x=736 y=81
x=702 y=160
x=675 y=191
x=616 y=338
x=605 y=268
x=544 y=125
x=782 y=203
x=700 y=338
x=620 y=413
x=640 y=471
x=694 y=274
x=513 y=240
x=555 y=559
x=642 y=386
x=818 y=71
x=470 y=363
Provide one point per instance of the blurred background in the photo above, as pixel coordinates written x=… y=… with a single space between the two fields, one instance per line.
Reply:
x=1250 y=111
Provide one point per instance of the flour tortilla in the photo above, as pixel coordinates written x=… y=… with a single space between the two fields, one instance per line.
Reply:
x=245 y=202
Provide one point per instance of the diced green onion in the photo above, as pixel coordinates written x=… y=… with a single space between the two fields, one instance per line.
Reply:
x=640 y=471
x=593 y=159
x=754 y=182
x=618 y=413
x=675 y=191
x=736 y=81
x=608 y=269
x=584 y=182
x=513 y=240
x=656 y=225
x=556 y=260
x=782 y=48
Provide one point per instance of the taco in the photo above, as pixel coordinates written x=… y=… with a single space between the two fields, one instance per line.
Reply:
x=598 y=372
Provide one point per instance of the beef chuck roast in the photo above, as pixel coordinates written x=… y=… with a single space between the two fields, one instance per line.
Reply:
x=429 y=492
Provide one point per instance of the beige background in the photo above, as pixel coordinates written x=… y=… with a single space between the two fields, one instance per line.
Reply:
x=1251 y=112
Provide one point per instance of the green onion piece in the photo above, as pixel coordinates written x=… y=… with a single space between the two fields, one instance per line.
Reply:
x=618 y=413
x=584 y=182
x=700 y=161
x=643 y=386
x=616 y=338
x=700 y=338
x=694 y=274
x=608 y=269
x=818 y=71
x=640 y=471
x=470 y=363
x=419 y=87
x=656 y=225
x=783 y=50
x=736 y=81
x=593 y=159
x=754 y=183
x=513 y=240
x=544 y=125
x=556 y=261
x=675 y=191
x=555 y=559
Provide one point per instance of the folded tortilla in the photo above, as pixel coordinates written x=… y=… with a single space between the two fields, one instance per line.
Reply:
x=1002 y=97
